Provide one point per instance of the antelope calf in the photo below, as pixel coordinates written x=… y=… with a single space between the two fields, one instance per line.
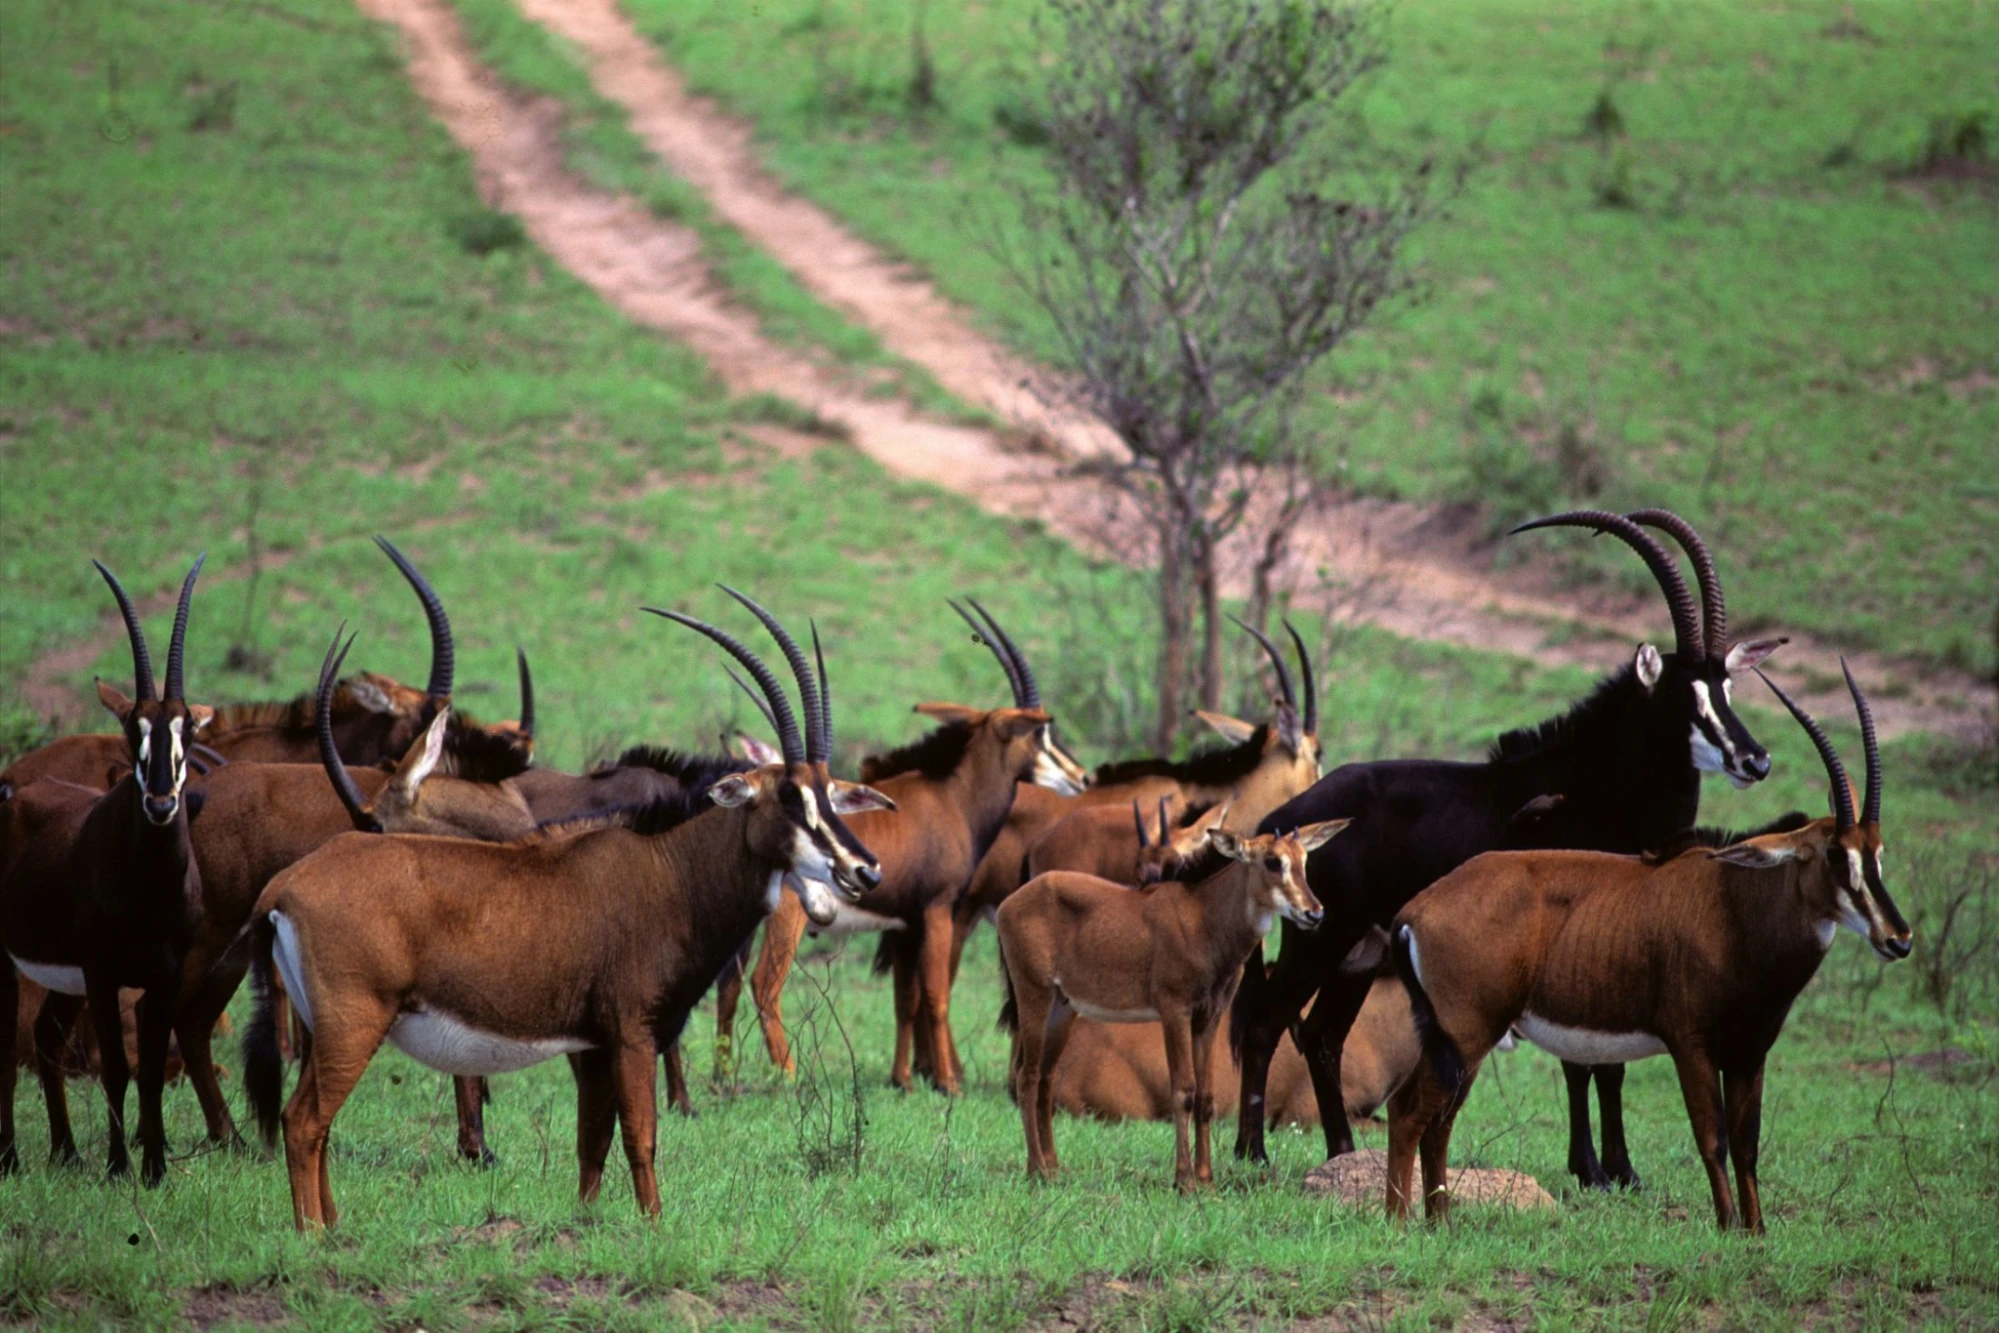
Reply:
x=1602 y=958
x=592 y=941
x=1076 y=945
x=100 y=891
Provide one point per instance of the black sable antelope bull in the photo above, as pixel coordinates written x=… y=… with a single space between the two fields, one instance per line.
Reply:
x=591 y=941
x=1620 y=772
x=1697 y=954
x=100 y=891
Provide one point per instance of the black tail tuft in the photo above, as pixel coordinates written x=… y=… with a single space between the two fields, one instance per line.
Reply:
x=885 y=954
x=1249 y=999
x=1445 y=1058
x=263 y=1063
x=1009 y=1015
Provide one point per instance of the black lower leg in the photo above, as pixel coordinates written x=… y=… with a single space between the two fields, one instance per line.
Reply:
x=1583 y=1164
x=1610 y=1099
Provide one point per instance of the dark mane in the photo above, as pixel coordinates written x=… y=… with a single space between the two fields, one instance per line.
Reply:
x=1526 y=742
x=653 y=817
x=689 y=770
x=291 y=715
x=1217 y=766
x=1714 y=836
x=482 y=757
x=934 y=756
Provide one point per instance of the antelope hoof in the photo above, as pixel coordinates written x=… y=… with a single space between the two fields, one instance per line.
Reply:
x=152 y=1174
x=64 y=1154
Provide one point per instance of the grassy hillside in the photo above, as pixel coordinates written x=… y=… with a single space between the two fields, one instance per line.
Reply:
x=1753 y=307
x=260 y=290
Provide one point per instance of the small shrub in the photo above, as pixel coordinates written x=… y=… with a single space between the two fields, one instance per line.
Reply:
x=1952 y=902
x=1603 y=122
x=484 y=231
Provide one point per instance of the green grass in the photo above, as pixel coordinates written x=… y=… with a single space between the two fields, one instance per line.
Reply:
x=299 y=302
x=1797 y=354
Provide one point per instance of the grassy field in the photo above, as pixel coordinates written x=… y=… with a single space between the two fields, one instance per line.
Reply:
x=254 y=290
x=1751 y=307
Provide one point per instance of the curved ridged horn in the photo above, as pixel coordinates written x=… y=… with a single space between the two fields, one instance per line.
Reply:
x=789 y=741
x=816 y=747
x=329 y=754
x=527 y=692
x=825 y=692
x=177 y=646
x=443 y=654
x=1028 y=689
x=1311 y=685
x=1870 y=806
x=1714 y=608
x=142 y=661
x=1165 y=823
x=1276 y=660
x=1687 y=643
x=1835 y=772
x=1138 y=818
x=981 y=635
x=755 y=698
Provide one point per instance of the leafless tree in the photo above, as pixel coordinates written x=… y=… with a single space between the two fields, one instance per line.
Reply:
x=1204 y=245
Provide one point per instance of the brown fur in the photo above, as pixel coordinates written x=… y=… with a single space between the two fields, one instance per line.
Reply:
x=1174 y=954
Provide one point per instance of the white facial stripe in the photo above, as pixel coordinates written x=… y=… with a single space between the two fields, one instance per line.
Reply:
x=1704 y=707
x=1728 y=689
x=145 y=741
x=811 y=800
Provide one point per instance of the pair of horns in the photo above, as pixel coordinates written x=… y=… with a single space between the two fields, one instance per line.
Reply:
x=1693 y=637
x=815 y=745
x=1309 y=715
x=1026 y=691
x=443 y=656
x=142 y=660
x=1835 y=772
x=329 y=754
x=1138 y=818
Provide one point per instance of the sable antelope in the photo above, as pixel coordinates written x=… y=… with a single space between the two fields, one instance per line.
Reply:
x=1619 y=772
x=100 y=891
x=255 y=820
x=1117 y=1072
x=376 y=718
x=1075 y=945
x=952 y=790
x=1597 y=957
x=592 y=939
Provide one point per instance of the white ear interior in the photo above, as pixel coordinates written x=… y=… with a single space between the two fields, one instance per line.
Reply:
x=1649 y=666
x=433 y=751
x=1233 y=730
x=732 y=791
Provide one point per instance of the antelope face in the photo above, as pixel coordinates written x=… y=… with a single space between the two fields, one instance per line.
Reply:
x=159 y=734
x=1176 y=847
x=1860 y=895
x=1717 y=741
x=1279 y=862
x=1056 y=769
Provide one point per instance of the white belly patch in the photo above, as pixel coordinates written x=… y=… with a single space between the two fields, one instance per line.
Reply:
x=1103 y=1016
x=1587 y=1046
x=291 y=968
x=444 y=1042
x=851 y=921
x=51 y=976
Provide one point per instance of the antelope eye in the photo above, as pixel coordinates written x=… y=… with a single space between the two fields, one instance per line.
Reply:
x=1273 y=863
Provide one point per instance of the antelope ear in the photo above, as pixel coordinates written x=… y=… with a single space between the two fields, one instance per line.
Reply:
x=1229 y=844
x=422 y=758
x=1540 y=808
x=1313 y=836
x=1233 y=730
x=1212 y=819
x=756 y=750
x=368 y=695
x=1754 y=857
x=960 y=714
x=1017 y=723
x=735 y=790
x=853 y=798
x=1742 y=657
x=1649 y=666
x=113 y=699
x=198 y=717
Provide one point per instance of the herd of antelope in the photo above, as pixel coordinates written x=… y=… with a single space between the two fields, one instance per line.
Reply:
x=385 y=867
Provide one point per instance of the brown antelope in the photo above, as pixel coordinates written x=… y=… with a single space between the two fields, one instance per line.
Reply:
x=100 y=890
x=591 y=940
x=375 y=717
x=1696 y=953
x=952 y=790
x=1076 y=945
x=1117 y=1072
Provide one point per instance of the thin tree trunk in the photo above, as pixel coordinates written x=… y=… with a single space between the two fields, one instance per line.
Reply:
x=1173 y=636
x=1208 y=584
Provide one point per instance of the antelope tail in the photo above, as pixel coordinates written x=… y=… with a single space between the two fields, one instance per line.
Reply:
x=1439 y=1049
x=263 y=1064
x=1009 y=1015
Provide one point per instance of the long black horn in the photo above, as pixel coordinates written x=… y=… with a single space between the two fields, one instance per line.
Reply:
x=443 y=654
x=329 y=755
x=1311 y=685
x=981 y=635
x=527 y=692
x=1835 y=772
x=1030 y=689
x=1165 y=822
x=177 y=646
x=755 y=698
x=1870 y=806
x=142 y=661
x=789 y=741
x=1138 y=818
x=816 y=745
x=1276 y=660
x=1687 y=643
x=1714 y=608
x=825 y=692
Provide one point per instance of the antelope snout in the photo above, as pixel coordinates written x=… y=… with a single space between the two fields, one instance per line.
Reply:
x=1756 y=766
x=865 y=879
x=161 y=810
x=1310 y=918
x=1892 y=948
